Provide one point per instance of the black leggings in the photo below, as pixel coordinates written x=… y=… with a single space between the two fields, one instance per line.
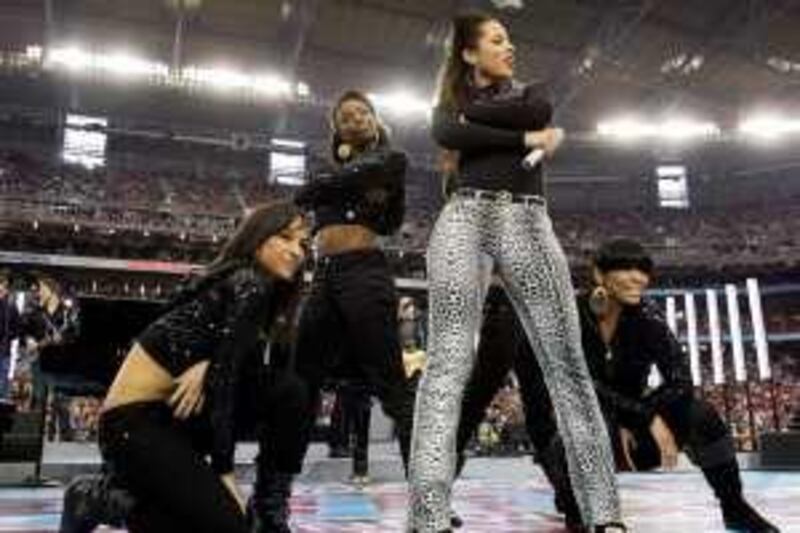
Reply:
x=348 y=329
x=157 y=460
x=268 y=407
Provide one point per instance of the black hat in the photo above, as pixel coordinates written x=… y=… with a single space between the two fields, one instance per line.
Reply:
x=622 y=254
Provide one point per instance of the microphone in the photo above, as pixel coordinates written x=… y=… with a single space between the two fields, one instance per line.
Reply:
x=536 y=155
x=533 y=158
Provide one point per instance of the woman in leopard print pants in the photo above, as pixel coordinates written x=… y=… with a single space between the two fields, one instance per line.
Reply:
x=497 y=210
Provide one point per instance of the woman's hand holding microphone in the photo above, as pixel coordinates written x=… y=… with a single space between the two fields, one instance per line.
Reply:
x=543 y=143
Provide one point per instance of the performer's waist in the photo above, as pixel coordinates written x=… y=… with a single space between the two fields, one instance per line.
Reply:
x=500 y=196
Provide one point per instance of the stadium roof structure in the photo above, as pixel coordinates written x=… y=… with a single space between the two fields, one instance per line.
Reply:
x=716 y=58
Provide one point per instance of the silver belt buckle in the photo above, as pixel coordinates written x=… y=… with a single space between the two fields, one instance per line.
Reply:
x=505 y=196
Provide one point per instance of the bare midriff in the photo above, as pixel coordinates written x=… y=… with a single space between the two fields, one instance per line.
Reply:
x=140 y=379
x=343 y=238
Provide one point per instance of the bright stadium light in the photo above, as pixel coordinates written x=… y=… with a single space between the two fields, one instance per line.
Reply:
x=677 y=129
x=272 y=85
x=70 y=57
x=623 y=129
x=34 y=52
x=768 y=126
x=220 y=78
x=303 y=90
x=268 y=84
x=129 y=65
x=124 y=64
x=680 y=129
x=401 y=103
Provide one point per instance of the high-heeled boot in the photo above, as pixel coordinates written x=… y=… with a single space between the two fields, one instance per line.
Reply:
x=737 y=514
x=268 y=507
x=92 y=500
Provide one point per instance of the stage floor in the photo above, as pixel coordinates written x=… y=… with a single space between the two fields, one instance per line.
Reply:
x=487 y=500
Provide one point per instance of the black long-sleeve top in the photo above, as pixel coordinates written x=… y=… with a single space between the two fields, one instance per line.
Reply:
x=489 y=134
x=368 y=190
x=221 y=324
x=620 y=369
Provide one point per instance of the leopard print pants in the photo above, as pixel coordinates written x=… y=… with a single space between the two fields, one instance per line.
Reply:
x=520 y=241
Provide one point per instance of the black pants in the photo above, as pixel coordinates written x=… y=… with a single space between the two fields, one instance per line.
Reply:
x=165 y=469
x=357 y=405
x=339 y=432
x=697 y=427
x=348 y=330
x=58 y=421
x=350 y=424
x=268 y=408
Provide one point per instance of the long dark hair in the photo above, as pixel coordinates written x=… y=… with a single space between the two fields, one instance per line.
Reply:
x=261 y=223
x=465 y=31
x=336 y=138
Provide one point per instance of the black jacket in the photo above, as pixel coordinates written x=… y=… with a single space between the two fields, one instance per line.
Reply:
x=220 y=323
x=368 y=190
x=620 y=370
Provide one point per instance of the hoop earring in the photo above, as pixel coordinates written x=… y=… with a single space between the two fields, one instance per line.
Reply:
x=344 y=151
x=598 y=301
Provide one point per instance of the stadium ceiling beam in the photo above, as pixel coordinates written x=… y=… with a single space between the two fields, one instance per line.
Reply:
x=609 y=27
x=433 y=11
x=299 y=20
x=49 y=23
x=755 y=15
x=439 y=15
x=745 y=20
x=673 y=91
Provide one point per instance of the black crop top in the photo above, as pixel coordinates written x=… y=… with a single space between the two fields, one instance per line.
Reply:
x=221 y=323
x=489 y=134
x=368 y=190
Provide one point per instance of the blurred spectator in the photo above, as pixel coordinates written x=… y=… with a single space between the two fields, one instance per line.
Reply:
x=9 y=332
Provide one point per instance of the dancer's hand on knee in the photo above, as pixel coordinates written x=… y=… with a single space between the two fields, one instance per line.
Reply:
x=188 y=398
x=666 y=442
x=629 y=444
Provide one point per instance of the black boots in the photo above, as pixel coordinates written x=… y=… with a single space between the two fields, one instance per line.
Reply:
x=554 y=464
x=92 y=500
x=740 y=516
x=456 y=521
x=737 y=514
x=268 y=508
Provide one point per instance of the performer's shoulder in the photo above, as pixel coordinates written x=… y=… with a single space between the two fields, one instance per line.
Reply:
x=652 y=313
